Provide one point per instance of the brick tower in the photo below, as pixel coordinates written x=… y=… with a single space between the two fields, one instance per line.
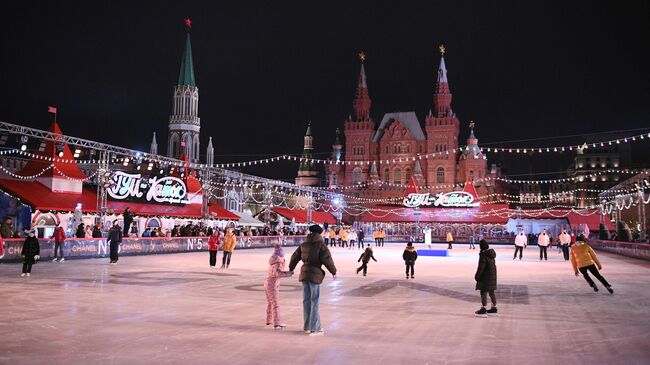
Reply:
x=307 y=173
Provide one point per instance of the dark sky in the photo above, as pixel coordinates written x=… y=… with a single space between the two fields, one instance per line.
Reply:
x=520 y=69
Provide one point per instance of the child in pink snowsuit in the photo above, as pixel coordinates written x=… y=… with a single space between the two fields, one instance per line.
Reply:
x=272 y=287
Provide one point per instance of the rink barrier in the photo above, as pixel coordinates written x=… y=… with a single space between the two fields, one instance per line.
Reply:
x=629 y=249
x=89 y=248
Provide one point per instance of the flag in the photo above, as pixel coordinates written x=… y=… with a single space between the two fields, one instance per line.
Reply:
x=51 y=109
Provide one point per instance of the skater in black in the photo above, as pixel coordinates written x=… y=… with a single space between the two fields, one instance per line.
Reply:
x=360 y=236
x=114 y=238
x=30 y=253
x=365 y=258
x=409 y=256
x=486 y=279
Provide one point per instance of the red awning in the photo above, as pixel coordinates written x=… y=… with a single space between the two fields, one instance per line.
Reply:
x=485 y=213
x=40 y=197
x=300 y=216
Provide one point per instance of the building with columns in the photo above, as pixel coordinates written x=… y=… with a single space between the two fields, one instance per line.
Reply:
x=384 y=155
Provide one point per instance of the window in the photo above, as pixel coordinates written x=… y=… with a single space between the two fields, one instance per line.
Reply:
x=387 y=149
x=357 y=175
x=334 y=180
x=440 y=175
x=397 y=176
x=173 y=146
x=386 y=174
x=420 y=149
x=407 y=175
x=471 y=175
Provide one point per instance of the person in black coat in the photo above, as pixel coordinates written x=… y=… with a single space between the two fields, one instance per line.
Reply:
x=97 y=232
x=365 y=259
x=360 y=236
x=486 y=279
x=128 y=220
x=409 y=256
x=81 y=231
x=31 y=252
x=114 y=238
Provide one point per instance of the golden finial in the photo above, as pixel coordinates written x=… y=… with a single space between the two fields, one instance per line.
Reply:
x=471 y=124
x=442 y=49
x=362 y=56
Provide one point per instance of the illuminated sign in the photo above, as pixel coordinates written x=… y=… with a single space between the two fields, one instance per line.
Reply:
x=451 y=199
x=135 y=187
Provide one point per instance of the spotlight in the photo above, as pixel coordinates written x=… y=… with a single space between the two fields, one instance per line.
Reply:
x=77 y=152
x=23 y=147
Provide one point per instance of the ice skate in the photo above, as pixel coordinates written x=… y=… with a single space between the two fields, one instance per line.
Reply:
x=595 y=288
x=22 y=275
x=482 y=313
x=492 y=312
x=28 y=274
x=279 y=326
x=55 y=259
x=610 y=289
x=62 y=259
x=320 y=332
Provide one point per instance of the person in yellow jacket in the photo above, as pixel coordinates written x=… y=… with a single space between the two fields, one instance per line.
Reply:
x=382 y=235
x=344 y=237
x=229 y=243
x=584 y=259
x=377 y=235
x=450 y=239
x=332 y=236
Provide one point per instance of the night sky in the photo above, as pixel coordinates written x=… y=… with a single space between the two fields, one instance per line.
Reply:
x=520 y=69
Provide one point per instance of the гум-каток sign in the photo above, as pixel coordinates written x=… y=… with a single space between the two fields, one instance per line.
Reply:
x=450 y=199
x=135 y=187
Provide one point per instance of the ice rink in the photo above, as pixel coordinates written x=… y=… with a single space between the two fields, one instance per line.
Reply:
x=175 y=309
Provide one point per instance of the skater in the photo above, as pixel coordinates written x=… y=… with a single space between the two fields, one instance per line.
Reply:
x=472 y=240
x=584 y=259
x=365 y=259
x=128 y=219
x=565 y=240
x=272 y=287
x=114 y=238
x=360 y=236
x=382 y=235
x=213 y=247
x=450 y=239
x=409 y=256
x=326 y=236
x=59 y=238
x=376 y=236
x=313 y=253
x=343 y=234
x=229 y=243
x=352 y=237
x=543 y=241
x=486 y=279
x=30 y=252
x=521 y=241
x=427 y=236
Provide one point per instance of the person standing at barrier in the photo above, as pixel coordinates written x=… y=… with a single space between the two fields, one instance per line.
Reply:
x=2 y=246
x=521 y=241
x=313 y=253
x=272 y=287
x=565 y=240
x=584 y=259
x=382 y=235
x=472 y=240
x=375 y=235
x=326 y=236
x=360 y=236
x=450 y=240
x=30 y=253
x=352 y=237
x=114 y=239
x=229 y=243
x=97 y=232
x=59 y=238
x=213 y=247
x=365 y=259
x=543 y=241
x=486 y=279
x=128 y=220
x=343 y=234
x=409 y=256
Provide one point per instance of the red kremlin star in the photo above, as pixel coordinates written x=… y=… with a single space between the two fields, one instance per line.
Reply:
x=188 y=22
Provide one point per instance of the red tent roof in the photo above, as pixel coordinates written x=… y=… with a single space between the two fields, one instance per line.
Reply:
x=412 y=187
x=40 y=197
x=300 y=215
x=469 y=188
x=36 y=165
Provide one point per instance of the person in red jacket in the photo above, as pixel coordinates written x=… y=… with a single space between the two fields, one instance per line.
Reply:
x=59 y=238
x=213 y=246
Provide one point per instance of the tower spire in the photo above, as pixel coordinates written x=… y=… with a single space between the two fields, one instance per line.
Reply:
x=307 y=174
x=362 y=100
x=186 y=74
x=442 y=95
x=154 y=145
x=209 y=160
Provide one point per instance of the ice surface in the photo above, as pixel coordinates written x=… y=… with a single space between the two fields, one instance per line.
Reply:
x=175 y=309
